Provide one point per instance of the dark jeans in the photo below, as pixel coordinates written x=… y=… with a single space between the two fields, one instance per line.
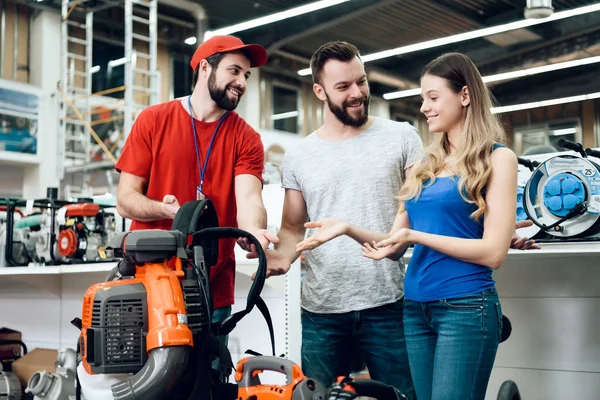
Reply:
x=329 y=341
x=219 y=315
x=452 y=345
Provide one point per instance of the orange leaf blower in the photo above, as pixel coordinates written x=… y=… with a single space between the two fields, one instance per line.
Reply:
x=152 y=317
x=297 y=386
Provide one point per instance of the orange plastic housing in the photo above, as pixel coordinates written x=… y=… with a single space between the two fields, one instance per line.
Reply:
x=67 y=242
x=267 y=391
x=165 y=303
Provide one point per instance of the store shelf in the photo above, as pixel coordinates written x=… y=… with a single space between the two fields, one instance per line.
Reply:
x=58 y=269
x=549 y=250
x=16 y=158
x=244 y=267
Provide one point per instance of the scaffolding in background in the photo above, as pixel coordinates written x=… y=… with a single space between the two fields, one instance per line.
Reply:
x=83 y=112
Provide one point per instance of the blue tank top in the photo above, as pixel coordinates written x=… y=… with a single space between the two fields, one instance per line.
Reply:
x=432 y=275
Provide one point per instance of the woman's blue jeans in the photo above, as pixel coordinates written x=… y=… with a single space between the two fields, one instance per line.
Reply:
x=452 y=345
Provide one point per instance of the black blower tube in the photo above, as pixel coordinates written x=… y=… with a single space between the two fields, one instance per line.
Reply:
x=157 y=378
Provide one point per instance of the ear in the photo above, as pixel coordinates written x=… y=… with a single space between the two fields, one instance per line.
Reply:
x=465 y=100
x=205 y=68
x=319 y=92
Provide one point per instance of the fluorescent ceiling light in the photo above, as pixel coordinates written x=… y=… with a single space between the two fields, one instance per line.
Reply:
x=566 y=131
x=190 y=41
x=269 y=19
x=545 y=103
x=94 y=69
x=285 y=115
x=116 y=63
x=461 y=37
x=507 y=75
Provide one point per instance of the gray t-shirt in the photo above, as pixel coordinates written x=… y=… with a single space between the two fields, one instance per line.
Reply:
x=356 y=180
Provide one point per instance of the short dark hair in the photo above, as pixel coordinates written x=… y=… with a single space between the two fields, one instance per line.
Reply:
x=336 y=50
x=214 y=62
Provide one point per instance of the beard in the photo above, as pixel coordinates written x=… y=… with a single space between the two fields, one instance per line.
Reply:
x=220 y=96
x=341 y=112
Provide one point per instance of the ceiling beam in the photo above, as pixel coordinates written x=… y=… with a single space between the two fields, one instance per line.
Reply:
x=332 y=22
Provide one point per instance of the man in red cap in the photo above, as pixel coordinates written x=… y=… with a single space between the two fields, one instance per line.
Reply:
x=197 y=147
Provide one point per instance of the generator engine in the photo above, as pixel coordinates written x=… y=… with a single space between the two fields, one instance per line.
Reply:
x=83 y=231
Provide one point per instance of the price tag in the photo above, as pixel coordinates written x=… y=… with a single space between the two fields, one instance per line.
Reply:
x=29 y=207
x=594 y=204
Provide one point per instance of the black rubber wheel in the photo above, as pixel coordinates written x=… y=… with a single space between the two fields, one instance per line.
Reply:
x=509 y=391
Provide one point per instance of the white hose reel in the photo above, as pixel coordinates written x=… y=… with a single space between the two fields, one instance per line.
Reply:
x=562 y=196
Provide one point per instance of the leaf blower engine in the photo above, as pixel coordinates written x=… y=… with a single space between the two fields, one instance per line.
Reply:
x=151 y=318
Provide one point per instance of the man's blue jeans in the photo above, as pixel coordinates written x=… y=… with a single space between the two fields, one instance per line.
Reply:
x=329 y=340
x=452 y=345
x=219 y=315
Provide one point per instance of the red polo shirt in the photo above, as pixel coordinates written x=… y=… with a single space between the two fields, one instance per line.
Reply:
x=160 y=148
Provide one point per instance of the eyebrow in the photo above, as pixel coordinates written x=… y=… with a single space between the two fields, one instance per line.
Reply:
x=429 y=91
x=345 y=82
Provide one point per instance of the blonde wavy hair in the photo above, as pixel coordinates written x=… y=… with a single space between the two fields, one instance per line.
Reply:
x=481 y=130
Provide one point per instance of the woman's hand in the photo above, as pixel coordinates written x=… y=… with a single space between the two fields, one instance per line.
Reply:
x=379 y=253
x=328 y=229
x=402 y=238
x=392 y=248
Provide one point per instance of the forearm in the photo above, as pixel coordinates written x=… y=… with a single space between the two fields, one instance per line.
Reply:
x=288 y=239
x=136 y=206
x=476 y=251
x=363 y=236
x=251 y=216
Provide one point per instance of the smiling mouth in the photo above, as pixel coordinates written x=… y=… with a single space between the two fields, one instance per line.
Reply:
x=234 y=92
x=430 y=118
x=355 y=105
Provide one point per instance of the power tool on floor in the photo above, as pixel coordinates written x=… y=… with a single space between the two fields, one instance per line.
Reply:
x=346 y=388
x=153 y=320
x=296 y=387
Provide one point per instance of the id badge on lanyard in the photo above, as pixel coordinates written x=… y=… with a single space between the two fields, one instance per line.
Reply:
x=202 y=168
x=199 y=194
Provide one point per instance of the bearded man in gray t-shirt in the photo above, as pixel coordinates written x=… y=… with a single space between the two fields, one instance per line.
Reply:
x=350 y=168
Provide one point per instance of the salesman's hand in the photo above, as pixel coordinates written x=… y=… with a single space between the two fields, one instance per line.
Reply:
x=263 y=236
x=170 y=206
x=277 y=263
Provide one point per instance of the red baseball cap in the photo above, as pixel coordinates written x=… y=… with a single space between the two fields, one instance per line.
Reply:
x=222 y=44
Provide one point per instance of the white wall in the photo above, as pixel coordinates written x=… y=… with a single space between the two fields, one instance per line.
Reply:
x=11 y=180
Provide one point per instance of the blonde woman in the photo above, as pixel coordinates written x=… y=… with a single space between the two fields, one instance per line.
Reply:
x=457 y=208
